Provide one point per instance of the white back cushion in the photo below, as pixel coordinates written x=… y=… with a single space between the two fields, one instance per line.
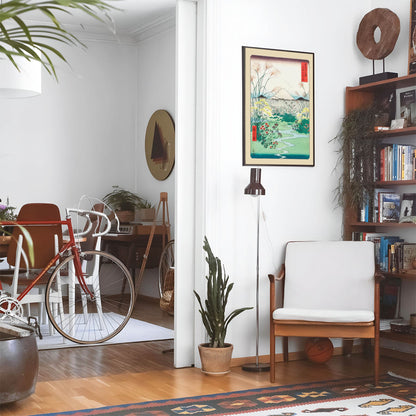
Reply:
x=335 y=275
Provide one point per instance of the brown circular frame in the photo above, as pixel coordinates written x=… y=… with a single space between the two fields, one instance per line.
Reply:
x=389 y=25
x=162 y=165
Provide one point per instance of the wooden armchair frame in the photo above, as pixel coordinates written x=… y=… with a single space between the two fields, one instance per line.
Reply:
x=298 y=328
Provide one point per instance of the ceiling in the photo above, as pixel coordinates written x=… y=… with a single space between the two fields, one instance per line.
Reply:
x=138 y=14
x=130 y=17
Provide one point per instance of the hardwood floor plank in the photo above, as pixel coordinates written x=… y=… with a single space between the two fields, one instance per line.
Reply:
x=89 y=377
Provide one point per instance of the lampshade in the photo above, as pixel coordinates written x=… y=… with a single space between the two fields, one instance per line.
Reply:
x=255 y=187
x=23 y=83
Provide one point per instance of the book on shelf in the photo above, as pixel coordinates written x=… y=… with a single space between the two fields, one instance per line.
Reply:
x=389 y=207
x=397 y=162
x=408 y=107
x=408 y=208
x=387 y=258
x=401 y=255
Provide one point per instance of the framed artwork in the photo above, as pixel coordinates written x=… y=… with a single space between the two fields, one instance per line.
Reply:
x=160 y=144
x=412 y=38
x=278 y=107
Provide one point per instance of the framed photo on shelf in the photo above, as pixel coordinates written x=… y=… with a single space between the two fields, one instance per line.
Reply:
x=412 y=38
x=278 y=107
x=406 y=105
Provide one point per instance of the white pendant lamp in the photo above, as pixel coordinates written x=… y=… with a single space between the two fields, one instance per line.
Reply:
x=22 y=83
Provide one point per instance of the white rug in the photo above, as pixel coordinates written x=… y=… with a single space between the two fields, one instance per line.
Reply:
x=134 y=331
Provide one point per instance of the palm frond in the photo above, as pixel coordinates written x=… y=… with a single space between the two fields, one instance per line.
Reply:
x=19 y=38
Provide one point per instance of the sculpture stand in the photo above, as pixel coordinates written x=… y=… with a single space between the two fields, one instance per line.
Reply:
x=381 y=76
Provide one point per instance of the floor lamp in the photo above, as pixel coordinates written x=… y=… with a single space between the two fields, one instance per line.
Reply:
x=256 y=189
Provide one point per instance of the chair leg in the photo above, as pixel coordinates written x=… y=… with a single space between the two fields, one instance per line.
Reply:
x=285 y=349
x=272 y=355
x=376 y=359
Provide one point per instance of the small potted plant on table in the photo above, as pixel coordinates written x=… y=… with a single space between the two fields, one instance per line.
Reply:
x=123 y=202
x=216 y=355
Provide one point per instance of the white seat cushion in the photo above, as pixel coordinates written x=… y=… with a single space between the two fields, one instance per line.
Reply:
x=323 y=315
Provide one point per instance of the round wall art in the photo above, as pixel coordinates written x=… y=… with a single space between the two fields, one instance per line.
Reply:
x=160 y=144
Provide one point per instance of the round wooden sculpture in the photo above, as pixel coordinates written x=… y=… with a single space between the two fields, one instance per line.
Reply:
x=389 y=25
x=160 y=144
x=319 y=350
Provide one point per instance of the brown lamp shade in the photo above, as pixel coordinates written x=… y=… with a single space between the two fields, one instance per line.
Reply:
x=255 y=187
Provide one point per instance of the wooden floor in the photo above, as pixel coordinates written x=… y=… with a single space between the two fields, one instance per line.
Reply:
x=88 y=377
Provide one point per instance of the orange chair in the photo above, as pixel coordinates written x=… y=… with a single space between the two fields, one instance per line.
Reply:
x=330 y=290
x=46 y=239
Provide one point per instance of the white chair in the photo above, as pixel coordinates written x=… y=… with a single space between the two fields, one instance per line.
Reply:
x=330 y=289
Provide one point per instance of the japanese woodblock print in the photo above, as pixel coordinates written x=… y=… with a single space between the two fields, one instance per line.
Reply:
x=278 y=107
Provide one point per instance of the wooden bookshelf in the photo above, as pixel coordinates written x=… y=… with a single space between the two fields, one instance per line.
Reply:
x=361 y=97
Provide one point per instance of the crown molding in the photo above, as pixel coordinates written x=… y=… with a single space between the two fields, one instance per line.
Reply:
x=129 y=36
x=154 y=28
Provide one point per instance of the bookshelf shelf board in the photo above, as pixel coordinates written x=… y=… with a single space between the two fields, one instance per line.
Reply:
x=394 y=183
x=408 y=338
x=399 y=82
x=407 y=131
x=383 y=224
x=402 y=275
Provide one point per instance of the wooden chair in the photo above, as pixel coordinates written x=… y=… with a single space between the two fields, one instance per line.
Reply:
x=330 y=289
x=46 y=241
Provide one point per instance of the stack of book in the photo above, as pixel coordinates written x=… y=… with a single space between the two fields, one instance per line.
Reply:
x=392 y=253
x=388 y=206
x=397 y=162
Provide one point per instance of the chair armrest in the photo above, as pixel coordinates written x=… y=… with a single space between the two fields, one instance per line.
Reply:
x=279 y=276
x=273 y=278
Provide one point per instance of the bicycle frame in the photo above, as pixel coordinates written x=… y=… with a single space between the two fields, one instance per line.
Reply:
x=70 y=245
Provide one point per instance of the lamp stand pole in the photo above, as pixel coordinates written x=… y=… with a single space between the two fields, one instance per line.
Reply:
x=257 y=366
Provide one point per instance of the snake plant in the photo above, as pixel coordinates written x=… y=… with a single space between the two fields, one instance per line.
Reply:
x=33 y=41
x=218 y=289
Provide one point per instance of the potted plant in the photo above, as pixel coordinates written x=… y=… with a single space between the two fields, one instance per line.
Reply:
x=123 y=202
x=36 y=42
x=145 y=211
x=216 y=355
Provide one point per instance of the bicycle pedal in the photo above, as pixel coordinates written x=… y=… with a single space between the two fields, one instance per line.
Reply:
x=35 y=325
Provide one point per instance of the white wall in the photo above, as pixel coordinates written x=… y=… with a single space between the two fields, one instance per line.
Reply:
x=156 y=91
x=299 y=200
x=92 y=121
x=78 y=136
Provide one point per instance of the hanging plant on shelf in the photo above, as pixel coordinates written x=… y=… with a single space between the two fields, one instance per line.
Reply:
x=357 y=155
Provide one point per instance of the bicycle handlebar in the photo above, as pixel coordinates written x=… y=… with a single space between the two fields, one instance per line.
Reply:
x=87 y=214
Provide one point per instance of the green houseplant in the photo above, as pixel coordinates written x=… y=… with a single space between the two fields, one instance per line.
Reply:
x=37 y=41
x=357 y=155
x=216 y=355
x=125 y=203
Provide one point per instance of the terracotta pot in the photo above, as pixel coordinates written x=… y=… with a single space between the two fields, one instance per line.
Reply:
x=145 y=214
x=215 y=361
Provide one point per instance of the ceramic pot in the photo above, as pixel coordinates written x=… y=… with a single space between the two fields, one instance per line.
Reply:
x=215 y=361
x=19 y=364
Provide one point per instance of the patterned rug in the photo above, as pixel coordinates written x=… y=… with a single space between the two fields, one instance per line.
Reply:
x=349 y=397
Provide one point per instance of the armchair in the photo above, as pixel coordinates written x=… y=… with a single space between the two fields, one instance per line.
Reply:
x=330 y=289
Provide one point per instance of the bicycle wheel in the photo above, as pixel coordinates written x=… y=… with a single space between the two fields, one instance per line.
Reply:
x=84 y=319
x=166 y=263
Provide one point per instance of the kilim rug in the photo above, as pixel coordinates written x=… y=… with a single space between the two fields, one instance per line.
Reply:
x=349 y=397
